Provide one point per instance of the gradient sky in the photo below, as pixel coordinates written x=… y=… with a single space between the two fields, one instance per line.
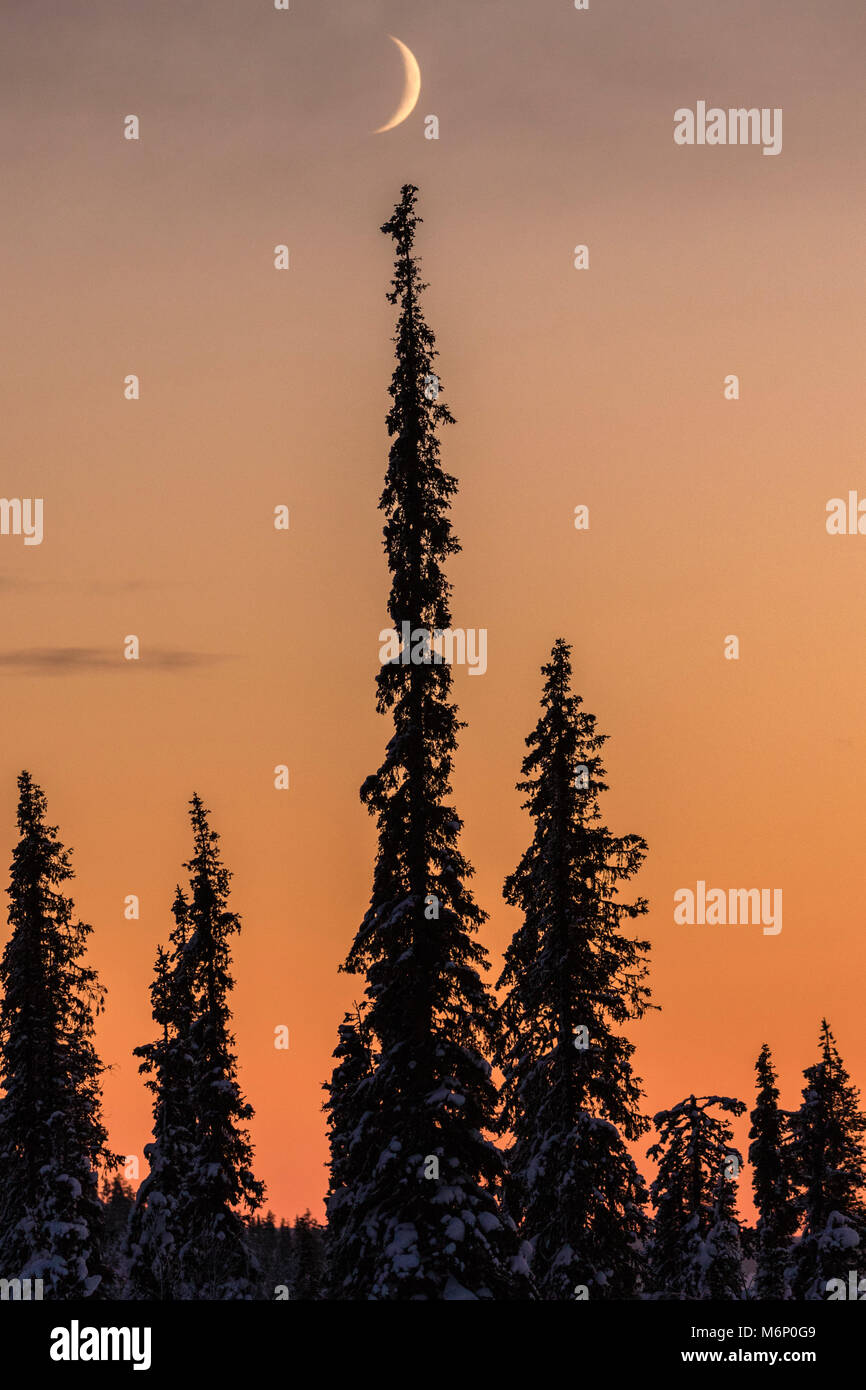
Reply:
x=602 y=387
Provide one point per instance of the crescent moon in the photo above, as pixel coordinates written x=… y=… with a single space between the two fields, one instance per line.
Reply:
x=411 y=91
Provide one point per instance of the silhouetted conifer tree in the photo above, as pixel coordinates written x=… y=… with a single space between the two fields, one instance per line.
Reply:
x=769 y=1155
x=118 y=1199
x=427 y=1199
x=284 y=1253
x=52 y=1139
x=189 y=1235
x=308 y=1259
x=118 y=1203
x=571 y=1102
x=352 y=1143
x=721 y=1264
x=263 y=1240
x=694 y=1252
x=214 y=1257
x=155 y=1233
x=830 y=1172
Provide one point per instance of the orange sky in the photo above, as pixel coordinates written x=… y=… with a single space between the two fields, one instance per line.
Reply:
x=602 y=387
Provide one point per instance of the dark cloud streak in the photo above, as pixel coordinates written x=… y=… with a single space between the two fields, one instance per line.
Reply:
x=67 y=661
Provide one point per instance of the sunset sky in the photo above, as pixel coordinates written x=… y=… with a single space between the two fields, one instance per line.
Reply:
x=601 y=387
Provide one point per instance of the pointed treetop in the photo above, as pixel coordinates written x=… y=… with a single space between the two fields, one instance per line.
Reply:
x=558 y=671
x=764 y=1064
x=31 y=803
x=404 y=219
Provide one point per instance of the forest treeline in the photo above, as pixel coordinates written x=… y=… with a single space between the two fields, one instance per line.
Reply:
x=482 y=1137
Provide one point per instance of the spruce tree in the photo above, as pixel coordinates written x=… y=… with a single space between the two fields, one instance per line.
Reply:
x=118 y=1203
x=168 y=1063
x=52 y=1138
x=190 y=1235
x=283 y=1255
x=721 y=1263
x=118 y=1199
x=769 y=1155
x=830 y=1171
x=351 y=1139
x=427 y=1217
x=694 y=1251
x=308 y=1259
x=263 y=1238
x=573 y=978
x=214 y=1257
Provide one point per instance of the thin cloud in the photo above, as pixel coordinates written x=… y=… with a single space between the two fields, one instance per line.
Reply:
x=66 y=661
x=129 y=586
x=92 y=586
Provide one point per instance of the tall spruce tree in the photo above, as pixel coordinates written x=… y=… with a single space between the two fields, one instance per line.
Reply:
x=214 y=1258
x=830 y=1171
x=769 y=1155
x=52 y=1139
x=189 y=1235
x=694 y=1251
x=155 y=1234
x=571 y=1102
x=427 y=1223
x=352 y=1142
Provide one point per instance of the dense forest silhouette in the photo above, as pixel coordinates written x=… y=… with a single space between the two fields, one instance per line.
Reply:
x=482 y=1139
